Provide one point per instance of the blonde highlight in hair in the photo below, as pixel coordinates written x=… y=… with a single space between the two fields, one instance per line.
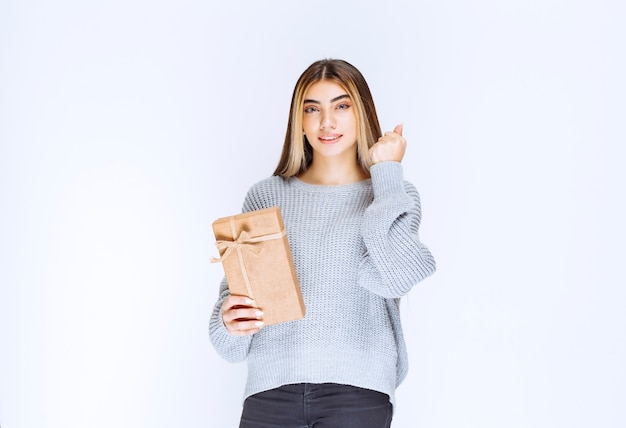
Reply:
x=297 y=153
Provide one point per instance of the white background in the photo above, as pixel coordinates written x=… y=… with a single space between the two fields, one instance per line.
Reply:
x=127 y=127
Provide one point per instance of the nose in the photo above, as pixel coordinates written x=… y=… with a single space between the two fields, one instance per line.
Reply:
x=327 y=122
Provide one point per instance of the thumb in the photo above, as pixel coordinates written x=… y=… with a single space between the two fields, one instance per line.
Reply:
x=398 y=129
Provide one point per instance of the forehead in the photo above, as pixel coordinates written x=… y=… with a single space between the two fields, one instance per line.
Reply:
x=324 y=90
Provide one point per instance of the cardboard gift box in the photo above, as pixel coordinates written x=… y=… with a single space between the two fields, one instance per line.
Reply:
x=255 y=254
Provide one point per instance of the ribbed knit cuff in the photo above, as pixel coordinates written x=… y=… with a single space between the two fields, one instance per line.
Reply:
x=387 y=179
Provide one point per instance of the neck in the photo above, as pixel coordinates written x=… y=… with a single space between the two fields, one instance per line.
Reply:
x=329 y=172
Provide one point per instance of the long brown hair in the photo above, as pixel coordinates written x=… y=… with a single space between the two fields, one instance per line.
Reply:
x=297 y=153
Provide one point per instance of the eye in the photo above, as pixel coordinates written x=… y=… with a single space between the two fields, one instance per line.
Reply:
x=310 y=109
x=343 y=106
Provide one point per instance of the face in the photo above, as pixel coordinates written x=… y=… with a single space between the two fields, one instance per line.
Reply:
x=329 y=121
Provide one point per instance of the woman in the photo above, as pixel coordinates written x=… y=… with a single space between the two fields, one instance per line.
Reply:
x=352 y=222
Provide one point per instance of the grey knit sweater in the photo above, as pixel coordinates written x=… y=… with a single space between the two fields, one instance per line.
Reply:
x=357 y=251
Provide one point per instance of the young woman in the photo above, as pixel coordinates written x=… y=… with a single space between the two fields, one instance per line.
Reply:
x=352 y=222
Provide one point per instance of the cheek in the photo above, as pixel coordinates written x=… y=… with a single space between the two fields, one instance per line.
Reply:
x=307 y=124
x=350 y=122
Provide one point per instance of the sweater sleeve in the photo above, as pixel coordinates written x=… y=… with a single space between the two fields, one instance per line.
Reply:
x=232 y=348
x=394 y=259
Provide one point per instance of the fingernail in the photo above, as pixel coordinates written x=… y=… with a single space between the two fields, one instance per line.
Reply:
x=249 y=301
x=259 y=323
x=258 y=313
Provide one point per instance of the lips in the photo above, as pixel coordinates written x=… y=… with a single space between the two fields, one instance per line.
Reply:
x=329 y=138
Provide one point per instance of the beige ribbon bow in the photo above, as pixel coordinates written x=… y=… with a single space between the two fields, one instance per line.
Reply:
x=238 y=244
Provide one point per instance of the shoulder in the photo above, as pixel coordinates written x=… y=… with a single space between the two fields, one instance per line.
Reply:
x=264 y=193
x=268 y=186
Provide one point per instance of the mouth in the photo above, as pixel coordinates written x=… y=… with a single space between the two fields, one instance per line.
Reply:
x=329 y=138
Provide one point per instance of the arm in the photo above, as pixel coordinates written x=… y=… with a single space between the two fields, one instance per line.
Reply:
x=230 y=347
x=395 y=259
x=235 y=318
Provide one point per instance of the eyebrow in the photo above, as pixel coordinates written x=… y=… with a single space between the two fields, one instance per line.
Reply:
x=340 y=97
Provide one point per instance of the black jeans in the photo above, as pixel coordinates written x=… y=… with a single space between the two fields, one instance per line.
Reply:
x=310 y=405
